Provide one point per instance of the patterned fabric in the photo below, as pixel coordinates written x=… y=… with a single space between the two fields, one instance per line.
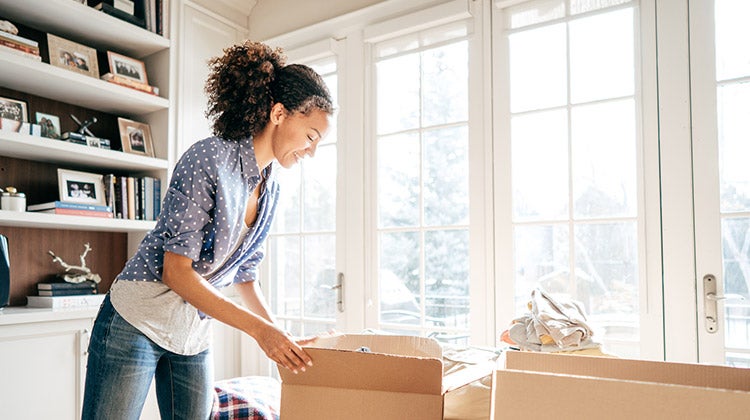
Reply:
x=249 y=397
x=203 y=214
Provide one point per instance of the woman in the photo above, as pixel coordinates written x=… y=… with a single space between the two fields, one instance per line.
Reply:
x=154 y=323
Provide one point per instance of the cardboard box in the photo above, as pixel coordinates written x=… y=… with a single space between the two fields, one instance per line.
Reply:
x=372 y=377
x=542 y=385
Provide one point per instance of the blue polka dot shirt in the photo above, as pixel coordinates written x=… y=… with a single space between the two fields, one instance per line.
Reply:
x=203 y=213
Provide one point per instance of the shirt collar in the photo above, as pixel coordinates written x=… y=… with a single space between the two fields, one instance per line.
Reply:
x=248 y=161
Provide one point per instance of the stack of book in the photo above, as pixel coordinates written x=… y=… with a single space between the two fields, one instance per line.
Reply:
x=130 y=83
x=60 y=294
x=63 y=288
x=19 y=45
x=75 y=209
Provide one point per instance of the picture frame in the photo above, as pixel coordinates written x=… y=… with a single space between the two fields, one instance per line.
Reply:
x=129 y=68
x=135 y=137
x=81 y=187
x=14 y=109
x=50 y=125
x=72 y=56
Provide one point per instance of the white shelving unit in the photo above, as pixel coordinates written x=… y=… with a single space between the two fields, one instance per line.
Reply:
x=88 y=26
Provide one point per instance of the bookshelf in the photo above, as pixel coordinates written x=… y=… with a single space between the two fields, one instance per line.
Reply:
x=30 y=162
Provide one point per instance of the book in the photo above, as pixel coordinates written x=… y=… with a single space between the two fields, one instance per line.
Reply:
x=78 y=212
x=122 y=182
x=68 y=205
x=131 y=197
x=65 y=302
x=70 y=292
x=14 y=51
x=78 y=138
x=18 y=39
x=65 y=285
x=109 y=191
x=20 y=47
x=148 y=196
x=141 y=190
x=129 y=83
x=157 y=197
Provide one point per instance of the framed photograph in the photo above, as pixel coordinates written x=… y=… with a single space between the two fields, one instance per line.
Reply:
x=135 y=137
x=50 y=125
x=81 y=187
x=72 y=56
x=14 y=109
x=127 y=67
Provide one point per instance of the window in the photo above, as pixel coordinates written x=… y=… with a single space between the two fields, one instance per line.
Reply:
x=571 y=122
x=301 y=254
x=421 y=139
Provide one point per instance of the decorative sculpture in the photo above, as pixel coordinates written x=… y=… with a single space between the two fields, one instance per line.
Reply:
x=77 y=273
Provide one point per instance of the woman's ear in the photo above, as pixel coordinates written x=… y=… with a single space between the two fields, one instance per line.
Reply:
x=278 y=112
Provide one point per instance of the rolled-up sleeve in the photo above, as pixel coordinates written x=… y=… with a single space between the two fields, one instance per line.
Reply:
x=184 y=227
x=248 y=271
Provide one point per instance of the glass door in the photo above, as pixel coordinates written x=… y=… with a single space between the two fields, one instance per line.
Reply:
x=720 y=68
x=571 y=128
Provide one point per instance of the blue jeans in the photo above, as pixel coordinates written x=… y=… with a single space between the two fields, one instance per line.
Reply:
x=121 y=364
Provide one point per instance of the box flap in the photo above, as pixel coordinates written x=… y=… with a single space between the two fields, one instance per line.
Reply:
x=370 y=371
x=403 y=345
x=528 y=394
x=629 y=369
x=467 y=375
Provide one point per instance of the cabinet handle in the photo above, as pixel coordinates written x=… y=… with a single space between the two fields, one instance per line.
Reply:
x=85 y=336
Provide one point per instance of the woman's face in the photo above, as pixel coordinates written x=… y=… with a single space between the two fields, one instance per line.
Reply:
x=297 y=136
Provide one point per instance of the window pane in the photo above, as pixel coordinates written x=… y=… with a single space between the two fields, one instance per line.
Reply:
x=734 y=146
x=538 y=70
x=732 y=34
x=320 y=276
x=445 y=75
x=601 y=56
x=540 y=165
x=447 y=278
x=446 y=183
x=541 y=257
x=287 y=217
x=398 y=278
x=582 y=6
x=735 y=234
x=532 y=12
x=606 y=282
x=604 y=160
x=284 y=255
x=319 y=190
x=445 y=33
x=397 y=45
x=398 y=93
x=398 y=180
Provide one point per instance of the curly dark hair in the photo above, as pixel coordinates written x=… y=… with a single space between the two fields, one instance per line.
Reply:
x=249 y=79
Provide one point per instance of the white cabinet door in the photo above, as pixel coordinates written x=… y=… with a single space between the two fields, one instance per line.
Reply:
x=43 y=367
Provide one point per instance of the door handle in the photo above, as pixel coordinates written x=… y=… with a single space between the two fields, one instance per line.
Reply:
x=339 y=288
x=710 y=308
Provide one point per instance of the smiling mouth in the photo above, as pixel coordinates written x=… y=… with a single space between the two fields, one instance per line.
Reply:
x=297 y=157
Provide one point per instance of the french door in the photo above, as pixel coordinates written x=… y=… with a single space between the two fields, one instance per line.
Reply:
x=720 y=85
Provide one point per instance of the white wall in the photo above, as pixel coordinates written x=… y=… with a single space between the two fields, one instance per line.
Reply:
x=269 y=18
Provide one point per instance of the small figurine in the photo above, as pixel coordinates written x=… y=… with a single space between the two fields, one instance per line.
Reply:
x=83 y=127
x=77 y=273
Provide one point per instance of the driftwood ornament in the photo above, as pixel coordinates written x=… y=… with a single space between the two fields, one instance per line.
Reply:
x=77 y=273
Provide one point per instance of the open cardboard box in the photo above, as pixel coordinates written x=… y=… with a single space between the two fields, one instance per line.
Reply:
x=372 y=377
x=543 y=385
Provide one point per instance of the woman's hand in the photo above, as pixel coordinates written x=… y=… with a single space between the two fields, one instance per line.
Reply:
x=280 y=348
